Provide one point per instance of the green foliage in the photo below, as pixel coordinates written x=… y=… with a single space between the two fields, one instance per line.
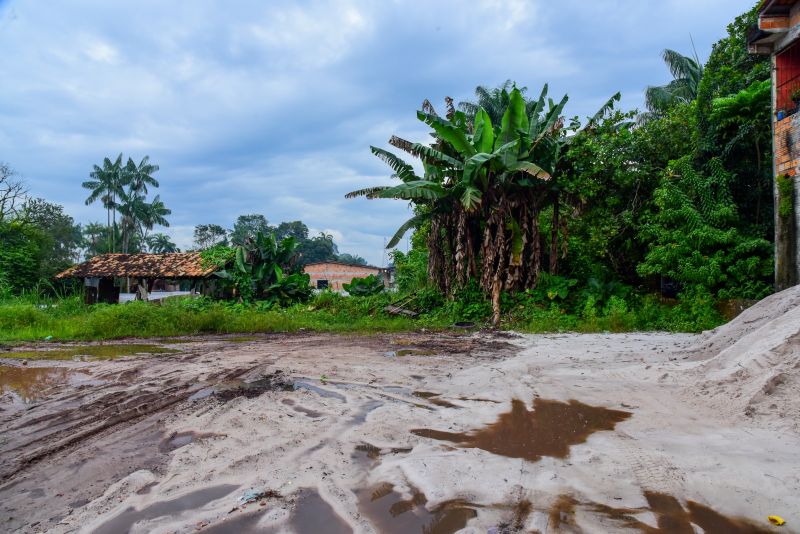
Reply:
x=694 y=239
x=411 y=269
x=22 y=248
x=552 y=288
x=256 y=270
x=785 y=186
x=62 y=236
x=364 y=287
x=247 y=227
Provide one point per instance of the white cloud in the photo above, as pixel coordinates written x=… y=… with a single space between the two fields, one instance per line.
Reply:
x=265 y=107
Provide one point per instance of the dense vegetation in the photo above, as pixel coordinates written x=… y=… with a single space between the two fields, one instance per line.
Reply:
x=536 y=221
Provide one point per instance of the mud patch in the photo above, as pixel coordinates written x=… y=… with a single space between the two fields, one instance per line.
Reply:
x=433 y=398
x=226 y=391
x=312 y=513
x=322 y=392
x=90 y=352
x=391 y=513
x=30 y=384
x=181 y=439
x=191 y=501
x=549 y=430
x=671 y=516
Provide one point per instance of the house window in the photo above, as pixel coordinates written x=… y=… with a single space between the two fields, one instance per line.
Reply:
x=322 y=284
x=787 y=65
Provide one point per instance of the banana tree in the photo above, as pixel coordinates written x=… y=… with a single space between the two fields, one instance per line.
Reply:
x=257 y=270
x=483 y=188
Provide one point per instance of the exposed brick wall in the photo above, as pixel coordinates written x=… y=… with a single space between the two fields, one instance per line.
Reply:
x=337 y=274
x=785 y=163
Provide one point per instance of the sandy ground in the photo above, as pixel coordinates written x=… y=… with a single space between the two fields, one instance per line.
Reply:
x=666 y=433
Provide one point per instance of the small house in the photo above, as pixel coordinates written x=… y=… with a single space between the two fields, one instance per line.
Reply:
x=332 y=274
x=145 y=271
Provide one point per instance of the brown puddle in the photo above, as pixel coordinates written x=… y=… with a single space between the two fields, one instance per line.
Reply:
x=671 y=516
x=390 y=513
x=30 y=384
x=549 y=430
x=90 y=352
x=191 y=501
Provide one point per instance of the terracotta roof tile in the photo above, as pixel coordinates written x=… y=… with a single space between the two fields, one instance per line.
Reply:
x=174 y=265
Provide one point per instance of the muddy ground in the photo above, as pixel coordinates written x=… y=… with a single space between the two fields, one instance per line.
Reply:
x=426 y=432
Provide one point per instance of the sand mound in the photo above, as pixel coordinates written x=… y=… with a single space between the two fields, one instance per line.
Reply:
x=772 y=308
x=751 y=366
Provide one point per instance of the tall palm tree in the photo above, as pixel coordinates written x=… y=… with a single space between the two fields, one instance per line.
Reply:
x=141 y=175
x=107 y=184
x=161 y=244
x=686 y=72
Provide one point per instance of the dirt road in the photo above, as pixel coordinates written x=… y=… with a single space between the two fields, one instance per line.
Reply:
x=426 y=432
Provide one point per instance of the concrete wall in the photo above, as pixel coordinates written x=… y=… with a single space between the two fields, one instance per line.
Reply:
x=337 y=274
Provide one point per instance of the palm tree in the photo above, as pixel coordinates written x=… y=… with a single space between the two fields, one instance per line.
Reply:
x=137 y=213
x=686 y=72
x=161 y=244
x=154 y=213
x=140 y=176
x=107 y=184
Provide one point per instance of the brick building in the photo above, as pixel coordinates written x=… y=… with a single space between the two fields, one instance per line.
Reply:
x=778 y=35
x=332 y=274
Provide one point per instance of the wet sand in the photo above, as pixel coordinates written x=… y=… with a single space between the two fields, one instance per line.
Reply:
x=425 y=432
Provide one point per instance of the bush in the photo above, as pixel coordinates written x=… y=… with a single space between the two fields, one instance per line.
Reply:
x=364 y=287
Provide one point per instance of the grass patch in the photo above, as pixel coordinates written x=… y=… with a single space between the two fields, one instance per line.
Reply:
x=93 y=352
x=70 y=319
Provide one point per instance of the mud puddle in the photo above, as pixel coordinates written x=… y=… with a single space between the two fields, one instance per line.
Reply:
x=549 y=430
x=409 y=352
x=30 y=384
x=391 y=513
x=90 y=352
x=191 y=501
x=671 y=516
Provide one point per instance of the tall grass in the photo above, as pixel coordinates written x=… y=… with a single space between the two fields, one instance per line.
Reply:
x=69 y=319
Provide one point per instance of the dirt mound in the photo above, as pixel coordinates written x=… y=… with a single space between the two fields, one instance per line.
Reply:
x=751 y=366
x=772 y=308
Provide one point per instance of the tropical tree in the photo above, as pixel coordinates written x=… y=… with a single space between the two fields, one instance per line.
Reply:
x=207 y=236
x=107 y=184
x=247 y=227
x=161 y=244
x=258 y=269
x=687 y=73
x=482 y=191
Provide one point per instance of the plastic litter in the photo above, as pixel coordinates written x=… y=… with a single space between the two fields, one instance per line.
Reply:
x=776 y=520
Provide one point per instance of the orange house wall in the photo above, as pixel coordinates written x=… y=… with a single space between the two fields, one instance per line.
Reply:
x=336 y=275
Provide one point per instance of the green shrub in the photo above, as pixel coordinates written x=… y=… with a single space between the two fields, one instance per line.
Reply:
x=364 y=287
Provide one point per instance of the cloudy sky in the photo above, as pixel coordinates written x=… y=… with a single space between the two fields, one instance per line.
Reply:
x=270 y=107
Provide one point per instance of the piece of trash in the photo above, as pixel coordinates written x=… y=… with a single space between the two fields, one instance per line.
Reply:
x=249 y=496
x=323 y=379
x=48 y=338
x=776 y=520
